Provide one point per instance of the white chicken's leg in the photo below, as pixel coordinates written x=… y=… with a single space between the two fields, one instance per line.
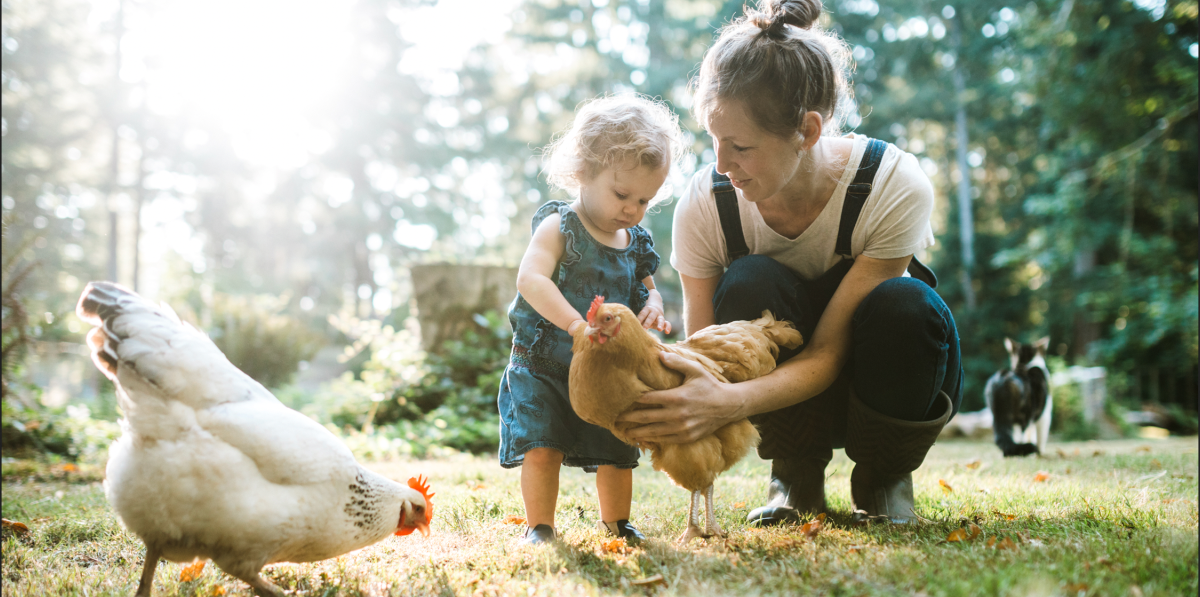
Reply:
x=693 y=525
x=146 y=586
x=711 y=527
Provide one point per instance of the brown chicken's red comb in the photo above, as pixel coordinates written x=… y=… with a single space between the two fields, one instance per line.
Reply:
x=599 y=300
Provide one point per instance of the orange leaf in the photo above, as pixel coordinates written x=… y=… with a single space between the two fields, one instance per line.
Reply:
x=1006 y=543
x=190 y=573
x=813 y=527
x=957 y=535
x=991 y=542
x=650 y=581
x=70 y=468
x=14 y=526
x=1076 y=588
x=974 y=464
x=1041 y=476
x=1154 y=463
x=617 y=545
x=1097 y=453
x=975 y=530
x=1142 y=449
x=945 y=487
x=739 y=505
x=856 y=549
x=514 y=519
x=1004 y=516
x=217 y=591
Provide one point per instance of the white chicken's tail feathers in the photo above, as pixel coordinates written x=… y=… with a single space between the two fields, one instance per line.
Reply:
x=99 y=305
x=781 y=332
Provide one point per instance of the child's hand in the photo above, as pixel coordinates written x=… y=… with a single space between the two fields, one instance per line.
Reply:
x=652 y=316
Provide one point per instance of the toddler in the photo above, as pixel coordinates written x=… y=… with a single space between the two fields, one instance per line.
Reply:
x=613 y=160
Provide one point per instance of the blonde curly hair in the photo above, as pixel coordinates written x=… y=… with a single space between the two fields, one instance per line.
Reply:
x=617 y=131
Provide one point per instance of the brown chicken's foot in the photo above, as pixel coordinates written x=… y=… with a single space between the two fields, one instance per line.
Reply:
x=711 y=527
x=693 y=526
x=146 y=586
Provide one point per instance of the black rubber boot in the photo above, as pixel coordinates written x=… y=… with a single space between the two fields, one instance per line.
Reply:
x=797 y=488
x=885 y=452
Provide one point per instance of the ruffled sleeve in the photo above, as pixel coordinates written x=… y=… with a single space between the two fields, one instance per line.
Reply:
x=568 y=224
x=647 y=258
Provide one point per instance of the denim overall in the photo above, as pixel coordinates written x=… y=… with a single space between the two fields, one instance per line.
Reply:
x=904 y=348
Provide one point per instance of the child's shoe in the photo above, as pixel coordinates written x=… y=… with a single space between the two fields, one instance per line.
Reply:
x=624 y=530
x=542 y=533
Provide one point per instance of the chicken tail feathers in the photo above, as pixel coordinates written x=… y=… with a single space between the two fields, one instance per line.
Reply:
x=782 y=333
x=99 y=305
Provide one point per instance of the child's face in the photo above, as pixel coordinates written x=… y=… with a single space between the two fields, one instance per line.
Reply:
x=617 y=197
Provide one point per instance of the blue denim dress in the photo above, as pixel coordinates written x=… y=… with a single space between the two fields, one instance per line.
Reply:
x=535 y=410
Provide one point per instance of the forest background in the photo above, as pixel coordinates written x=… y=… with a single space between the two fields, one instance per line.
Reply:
x=277 y=171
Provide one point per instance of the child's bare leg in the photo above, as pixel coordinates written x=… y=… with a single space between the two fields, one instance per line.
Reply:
x=539 y=485
x=615 y=489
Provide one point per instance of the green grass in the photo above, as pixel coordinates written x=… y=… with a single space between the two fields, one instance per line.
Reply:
x=1111 y=518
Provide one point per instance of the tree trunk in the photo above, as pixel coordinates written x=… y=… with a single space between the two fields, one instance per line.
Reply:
x=966 y=220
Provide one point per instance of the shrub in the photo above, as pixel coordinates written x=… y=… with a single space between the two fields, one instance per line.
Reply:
x=259 y=338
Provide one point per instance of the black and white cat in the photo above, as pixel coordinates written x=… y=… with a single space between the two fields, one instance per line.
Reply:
x=1019 y=398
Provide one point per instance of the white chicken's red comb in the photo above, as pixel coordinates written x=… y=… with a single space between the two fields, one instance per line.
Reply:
x=599 y=300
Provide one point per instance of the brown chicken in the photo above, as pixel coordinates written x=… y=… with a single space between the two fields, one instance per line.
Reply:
x=616 y=361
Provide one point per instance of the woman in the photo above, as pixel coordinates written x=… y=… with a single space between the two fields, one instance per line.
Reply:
x=828 y=226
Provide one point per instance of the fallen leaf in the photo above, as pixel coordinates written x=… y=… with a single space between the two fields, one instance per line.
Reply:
x=957 y=535
x=190 y=573
x=617 y=545
x=1142 y=449
x=217 y=591
x=974 y=464
x=1004 y=516
x=514 y=519
x=1006 y=543
x=946 y=489
x=975 y=530
x=813 y=527
x=1154 y=463
x=1061 y=454
x=650 y=581
x=856 y=548
x=1097 y=453
x=785 y=543
x=1041 y=476
x=739 y=505
x=1076 y=588
x=13 y=526
x=478 y=487
x=70 y=468
x=991 y=542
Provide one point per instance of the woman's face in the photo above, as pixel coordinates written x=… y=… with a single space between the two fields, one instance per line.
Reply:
x=759 y=164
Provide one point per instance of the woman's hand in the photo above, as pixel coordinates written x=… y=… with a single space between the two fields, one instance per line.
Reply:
x=652 y=316
x=692 y=411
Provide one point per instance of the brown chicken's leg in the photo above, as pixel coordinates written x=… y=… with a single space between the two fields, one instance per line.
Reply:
x=711 y=527
x=693 y=525
x=146 y=586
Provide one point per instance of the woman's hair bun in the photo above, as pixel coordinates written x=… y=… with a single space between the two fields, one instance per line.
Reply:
x=772 y=15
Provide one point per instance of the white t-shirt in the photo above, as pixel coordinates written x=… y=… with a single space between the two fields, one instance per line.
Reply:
x=894 y=221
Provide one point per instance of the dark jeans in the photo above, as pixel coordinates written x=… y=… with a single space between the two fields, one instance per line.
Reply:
x=904 y=349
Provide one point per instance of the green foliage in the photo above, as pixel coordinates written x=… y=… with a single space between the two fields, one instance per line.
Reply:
x=57 y=433
x=415 y=397
x=259 y=338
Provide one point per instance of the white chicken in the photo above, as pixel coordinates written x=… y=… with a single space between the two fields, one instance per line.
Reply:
x=211 y=465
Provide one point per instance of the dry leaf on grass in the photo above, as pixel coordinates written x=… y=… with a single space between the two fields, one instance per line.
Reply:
x=217 y=591
x=617 y=545
x=1041 y=476
x=1004 y=516
x=739 y=505
x=650 y=581
x=1076 y=588
x=813 y=527
x=12 y=526
x=1154 y=463
x=1097 y=453
x=857 y=548
x=974 y=464
x=966 y=533
x=946 y=489
x=1005 y=543
x=514 y=519
x=192 y=572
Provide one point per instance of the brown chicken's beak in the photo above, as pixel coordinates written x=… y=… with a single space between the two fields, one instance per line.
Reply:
x=592 y=333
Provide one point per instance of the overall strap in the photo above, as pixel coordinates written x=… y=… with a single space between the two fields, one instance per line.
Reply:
x=856 y=197
x=731 y=221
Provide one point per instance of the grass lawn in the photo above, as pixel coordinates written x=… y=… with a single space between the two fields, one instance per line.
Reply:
x=1091 y=518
